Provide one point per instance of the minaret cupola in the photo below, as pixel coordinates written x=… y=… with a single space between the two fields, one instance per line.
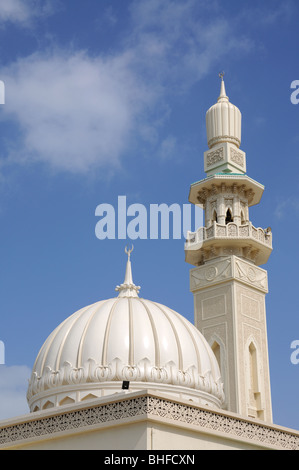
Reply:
x=223 y=123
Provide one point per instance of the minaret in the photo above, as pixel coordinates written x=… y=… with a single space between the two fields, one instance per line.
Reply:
x=228 y=284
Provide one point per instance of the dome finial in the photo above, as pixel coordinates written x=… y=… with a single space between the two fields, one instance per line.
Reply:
x=128 y=288
x=129 y=251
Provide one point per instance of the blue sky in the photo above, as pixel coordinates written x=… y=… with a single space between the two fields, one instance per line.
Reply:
x=107 y=98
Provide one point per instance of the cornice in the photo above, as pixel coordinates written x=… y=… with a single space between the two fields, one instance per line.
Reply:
x=221 y=182
x=146 y=405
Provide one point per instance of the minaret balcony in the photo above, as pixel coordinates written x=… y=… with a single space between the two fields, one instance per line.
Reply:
x=248 y=241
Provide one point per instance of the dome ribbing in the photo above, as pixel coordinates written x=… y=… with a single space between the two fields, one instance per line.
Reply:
x=126 y=338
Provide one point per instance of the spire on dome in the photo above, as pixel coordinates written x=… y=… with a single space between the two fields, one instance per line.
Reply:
x=222 y=96
x=128 y=288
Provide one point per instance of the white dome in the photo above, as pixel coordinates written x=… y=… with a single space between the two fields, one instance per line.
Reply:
x=126 y=338
x=223 y=121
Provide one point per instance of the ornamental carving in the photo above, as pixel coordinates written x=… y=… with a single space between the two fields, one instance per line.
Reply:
x=241 y=190
x=215 y=157
x=251 y=274
x=229 y=203
x=211 y=273
x=150 y=406
x=244 y=230
x=232 y=230
x=92 y=372
x=202 y=276
x=220 y=230
x=205 y=275
x=237 y=157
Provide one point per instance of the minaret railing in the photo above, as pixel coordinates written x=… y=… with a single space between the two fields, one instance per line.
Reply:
x=230 y=230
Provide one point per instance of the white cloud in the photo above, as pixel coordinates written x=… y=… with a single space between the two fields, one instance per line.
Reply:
x=13 y=389
x=22 y=11
x=182 y=41
x=76 y=111
x=14 y=10
x=287 y=206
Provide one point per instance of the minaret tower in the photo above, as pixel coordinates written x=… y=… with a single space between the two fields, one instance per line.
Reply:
x=228 y=284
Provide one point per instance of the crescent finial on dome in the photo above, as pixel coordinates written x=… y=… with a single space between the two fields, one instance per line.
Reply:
x=128 y=288
x=128 y=251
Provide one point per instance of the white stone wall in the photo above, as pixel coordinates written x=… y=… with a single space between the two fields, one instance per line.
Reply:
x=229 y=304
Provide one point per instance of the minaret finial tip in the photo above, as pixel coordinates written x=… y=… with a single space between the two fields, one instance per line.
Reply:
x=221 y=75
x=128 y=251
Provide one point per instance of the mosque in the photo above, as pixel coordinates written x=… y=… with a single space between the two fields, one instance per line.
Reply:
x=129 y=373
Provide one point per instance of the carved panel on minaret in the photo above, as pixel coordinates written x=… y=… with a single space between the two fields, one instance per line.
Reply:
x=211 y=273
x=231 y=267
x=237 y=157
x=252 y=275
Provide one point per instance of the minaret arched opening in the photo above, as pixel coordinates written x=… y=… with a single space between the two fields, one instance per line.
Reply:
x=254 y=409
x=229 y=217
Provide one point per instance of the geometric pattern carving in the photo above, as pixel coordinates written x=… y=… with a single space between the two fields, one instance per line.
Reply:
x=150 y=406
